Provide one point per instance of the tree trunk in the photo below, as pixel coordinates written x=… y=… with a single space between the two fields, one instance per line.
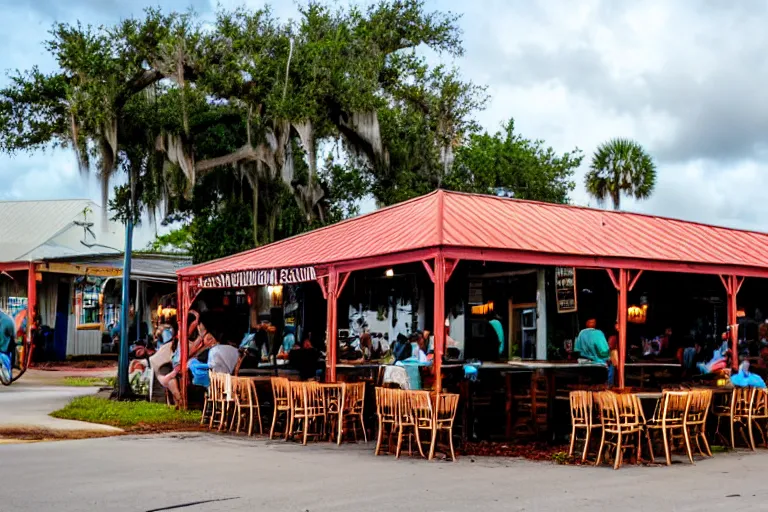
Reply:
x=255 y=188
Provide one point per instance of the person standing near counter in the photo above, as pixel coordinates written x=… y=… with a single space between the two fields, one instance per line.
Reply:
x=591 y=344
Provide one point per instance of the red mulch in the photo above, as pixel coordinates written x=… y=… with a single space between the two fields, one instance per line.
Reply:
x=537 y=451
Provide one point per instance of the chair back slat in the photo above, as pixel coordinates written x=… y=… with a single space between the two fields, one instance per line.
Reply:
x=581 y=408
x=281 y=392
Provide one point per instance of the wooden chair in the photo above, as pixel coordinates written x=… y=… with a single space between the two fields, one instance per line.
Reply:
x=307 y=408
x=695 y=422
x=758 y=413
x=621 y=416
x=668 y=418
x=419 y=417
x=387 y=412
x=353 y=401
x=582 y=418
x=741 y=413
x=445 y=414
x=220 y=400
x=208 y=401
x=281 y=403
x=334 y=398
x=246 y=405
x=720 y=408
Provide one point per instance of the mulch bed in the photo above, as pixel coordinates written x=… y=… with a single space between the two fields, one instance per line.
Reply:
x=536 y=451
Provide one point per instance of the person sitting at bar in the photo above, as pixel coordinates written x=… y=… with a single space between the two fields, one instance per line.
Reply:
x=305 y=359
x=402 y=345
x=591 y=344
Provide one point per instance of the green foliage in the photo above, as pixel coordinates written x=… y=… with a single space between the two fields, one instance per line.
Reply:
x=221 y=230
x=125 y=414
x=620 y=167
x=220 y=125
x=84 y=382
x=509 y=164
x=177 y=240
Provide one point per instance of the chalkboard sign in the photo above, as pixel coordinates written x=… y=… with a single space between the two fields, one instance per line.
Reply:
x=565 y=289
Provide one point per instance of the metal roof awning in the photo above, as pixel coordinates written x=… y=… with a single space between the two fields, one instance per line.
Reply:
x=484 y=227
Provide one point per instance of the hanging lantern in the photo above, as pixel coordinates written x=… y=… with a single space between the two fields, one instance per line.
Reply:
x=637 y=314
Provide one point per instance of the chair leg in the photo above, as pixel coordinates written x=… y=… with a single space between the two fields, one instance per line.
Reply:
x=586 y=444
x=306 y=430
x=600 y=450
x=258 y=416
x=432 y=443
x=573 y=440
x=688 y=444
x=733 y=436
x=751 y=435
x=205 y=408
x=666 y=446
x=650 y=445
x=362 y=426
x=450 y=443
x=378 y=437
x=289 y=426
x=274 y=421
x=639 y=454
x=418 y=440
x=617 y=464
x=399 y=442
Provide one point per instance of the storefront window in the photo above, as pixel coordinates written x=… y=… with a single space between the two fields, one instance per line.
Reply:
x=87 y=302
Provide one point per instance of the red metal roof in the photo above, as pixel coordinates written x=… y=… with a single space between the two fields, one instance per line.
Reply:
x=474 y=221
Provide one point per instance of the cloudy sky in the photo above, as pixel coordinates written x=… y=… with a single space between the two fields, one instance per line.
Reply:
x=685 y=79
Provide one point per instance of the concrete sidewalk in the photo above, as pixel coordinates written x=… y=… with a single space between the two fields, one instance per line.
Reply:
x=28 y=403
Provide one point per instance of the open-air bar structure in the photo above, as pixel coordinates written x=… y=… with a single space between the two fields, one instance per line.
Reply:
x=443 y=230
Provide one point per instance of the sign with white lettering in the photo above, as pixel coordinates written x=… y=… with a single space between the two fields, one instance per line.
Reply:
x=246 y=278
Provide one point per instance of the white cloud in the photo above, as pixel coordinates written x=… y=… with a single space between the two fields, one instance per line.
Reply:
x=683 y=78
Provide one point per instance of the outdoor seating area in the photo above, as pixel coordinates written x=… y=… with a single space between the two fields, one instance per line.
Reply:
x=609 y=423
x=304 y=410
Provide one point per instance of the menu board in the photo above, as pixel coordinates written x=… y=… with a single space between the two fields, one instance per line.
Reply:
x=565 y=289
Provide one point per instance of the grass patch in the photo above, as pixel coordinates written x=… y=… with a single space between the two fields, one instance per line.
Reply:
x=85 y=382
x=131 y=416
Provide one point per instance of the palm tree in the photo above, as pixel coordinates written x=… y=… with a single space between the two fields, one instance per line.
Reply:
x=620 y=166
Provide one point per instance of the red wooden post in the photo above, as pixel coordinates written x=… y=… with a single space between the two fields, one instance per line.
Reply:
x=31 y=308
x=182 y=310
x=439 y=319
x=331 y=322
x=733 y=322
x=622 y=325
x=732 y=286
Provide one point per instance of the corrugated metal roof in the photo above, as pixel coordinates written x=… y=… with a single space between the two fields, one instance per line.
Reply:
x=34 y=230
x=451 y=219
x=146 y=266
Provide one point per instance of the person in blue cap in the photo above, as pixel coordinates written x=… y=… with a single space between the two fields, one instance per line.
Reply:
x=7 y=346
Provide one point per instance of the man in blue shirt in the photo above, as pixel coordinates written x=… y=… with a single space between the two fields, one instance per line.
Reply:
x=591 y=344
x=7 y=346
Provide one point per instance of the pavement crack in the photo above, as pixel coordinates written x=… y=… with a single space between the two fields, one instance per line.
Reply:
x=191 y=504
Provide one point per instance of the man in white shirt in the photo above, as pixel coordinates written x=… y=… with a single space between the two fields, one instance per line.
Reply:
x=222 y=358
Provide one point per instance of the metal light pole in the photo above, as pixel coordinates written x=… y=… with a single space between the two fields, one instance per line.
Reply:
x=123 y=387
